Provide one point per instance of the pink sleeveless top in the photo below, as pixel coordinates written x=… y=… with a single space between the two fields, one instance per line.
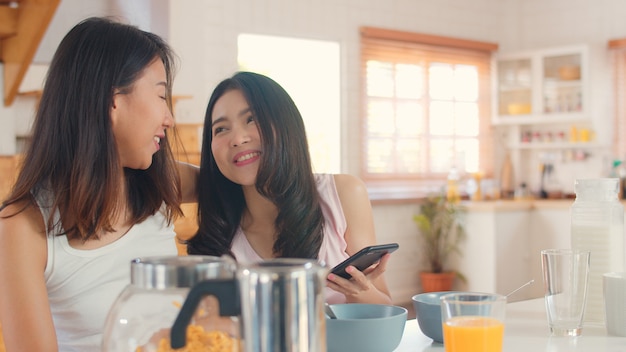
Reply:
x=333 y=250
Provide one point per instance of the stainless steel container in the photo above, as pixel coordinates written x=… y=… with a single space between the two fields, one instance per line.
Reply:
x=281 y=302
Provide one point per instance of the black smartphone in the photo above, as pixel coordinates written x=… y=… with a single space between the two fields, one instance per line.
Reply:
x=364 y=258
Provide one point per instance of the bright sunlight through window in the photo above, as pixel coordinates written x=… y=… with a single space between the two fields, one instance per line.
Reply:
x=422 y=119
x=309 y=72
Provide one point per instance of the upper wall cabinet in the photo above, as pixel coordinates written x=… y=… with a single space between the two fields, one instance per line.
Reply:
x=542 y=86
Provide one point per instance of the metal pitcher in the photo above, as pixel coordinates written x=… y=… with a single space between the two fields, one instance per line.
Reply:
x=280 y=301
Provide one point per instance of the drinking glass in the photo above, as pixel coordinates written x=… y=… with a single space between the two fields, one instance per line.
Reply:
x=565 y=275
x=473 y=322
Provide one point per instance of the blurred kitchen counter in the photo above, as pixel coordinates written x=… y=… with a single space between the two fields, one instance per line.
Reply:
x=525 y=204
x=510 y=205
x=504 y=240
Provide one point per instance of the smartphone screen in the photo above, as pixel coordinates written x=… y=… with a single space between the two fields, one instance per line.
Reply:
x=364 y=258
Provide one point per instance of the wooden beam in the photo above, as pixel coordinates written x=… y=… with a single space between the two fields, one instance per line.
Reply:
x=617 y=43
x=8 y=21
x=17 y=52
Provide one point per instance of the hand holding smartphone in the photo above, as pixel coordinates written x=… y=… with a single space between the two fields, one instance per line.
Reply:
x=364 y=258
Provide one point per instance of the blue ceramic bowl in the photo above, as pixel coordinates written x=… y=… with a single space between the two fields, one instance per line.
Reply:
x=365 y=327
x=428 y=311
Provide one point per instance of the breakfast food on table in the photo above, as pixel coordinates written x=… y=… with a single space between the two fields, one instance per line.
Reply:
x=199 y=340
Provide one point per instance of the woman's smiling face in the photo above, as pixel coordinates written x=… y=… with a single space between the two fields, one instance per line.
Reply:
x=141 y=116
x=236 y=143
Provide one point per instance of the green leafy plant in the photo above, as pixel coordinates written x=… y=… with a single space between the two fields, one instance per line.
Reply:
x=441 y=230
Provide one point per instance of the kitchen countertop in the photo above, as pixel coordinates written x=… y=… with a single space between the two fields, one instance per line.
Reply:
x=511 y=205
x=524 y=204
x=526 y=329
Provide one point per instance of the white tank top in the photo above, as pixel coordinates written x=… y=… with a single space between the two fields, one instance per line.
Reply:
x=83 y=284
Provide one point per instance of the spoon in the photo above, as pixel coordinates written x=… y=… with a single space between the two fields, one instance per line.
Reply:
x=329 y=311
x=521 y=287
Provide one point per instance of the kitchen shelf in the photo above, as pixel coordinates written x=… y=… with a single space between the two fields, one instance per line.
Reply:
x=540 y=119
x=557 y=145
x=514 y=88
x=556 y=83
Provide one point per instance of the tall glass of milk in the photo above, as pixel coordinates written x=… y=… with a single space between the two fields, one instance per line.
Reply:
x=597 y=219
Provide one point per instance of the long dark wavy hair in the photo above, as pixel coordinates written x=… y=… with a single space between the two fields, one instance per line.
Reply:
x=73 y=154
x=285 y=176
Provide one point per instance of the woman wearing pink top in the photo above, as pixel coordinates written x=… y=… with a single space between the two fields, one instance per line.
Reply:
x=259 y=198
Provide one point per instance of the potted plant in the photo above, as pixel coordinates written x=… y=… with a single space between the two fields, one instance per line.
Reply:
x=441 y=233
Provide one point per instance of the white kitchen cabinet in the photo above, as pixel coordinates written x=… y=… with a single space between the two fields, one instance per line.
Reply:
x=496 y=255
x=542 y=86
x=542 y=114
x=504 y=241
x=549 y=228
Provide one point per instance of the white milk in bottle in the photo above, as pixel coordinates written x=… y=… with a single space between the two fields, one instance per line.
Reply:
x=597 y=219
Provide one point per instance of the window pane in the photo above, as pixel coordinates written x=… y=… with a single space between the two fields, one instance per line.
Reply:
x=409 y=155
x=409 y=81
x=380 y=118
x=466 y=122
x=441 y=81
x=379 y=156
x=466 y=83
x=441 y=118
x=441 y=151
x=380 y=79
x=410 y=119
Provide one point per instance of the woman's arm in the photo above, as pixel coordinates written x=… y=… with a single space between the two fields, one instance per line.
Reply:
x=369 y=286
x=189 y=181
x=24 y=309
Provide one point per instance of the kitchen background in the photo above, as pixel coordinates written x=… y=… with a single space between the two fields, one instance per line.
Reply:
x=204 y=34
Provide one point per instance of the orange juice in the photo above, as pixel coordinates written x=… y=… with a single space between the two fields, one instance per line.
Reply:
x=473 y=334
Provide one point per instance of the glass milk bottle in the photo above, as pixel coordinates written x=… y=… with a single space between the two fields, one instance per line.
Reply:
x=598 y=227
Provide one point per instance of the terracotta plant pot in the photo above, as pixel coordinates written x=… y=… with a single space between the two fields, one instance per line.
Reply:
x=435 y=282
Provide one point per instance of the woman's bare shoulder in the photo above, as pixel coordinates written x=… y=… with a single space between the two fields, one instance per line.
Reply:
x=23 y=258
x=21 y=221
x=347 y=183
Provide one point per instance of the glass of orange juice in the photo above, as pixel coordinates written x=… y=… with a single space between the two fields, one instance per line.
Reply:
x=473 y=322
